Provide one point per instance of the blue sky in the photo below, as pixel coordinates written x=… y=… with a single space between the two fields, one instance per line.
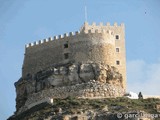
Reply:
x=25 y=21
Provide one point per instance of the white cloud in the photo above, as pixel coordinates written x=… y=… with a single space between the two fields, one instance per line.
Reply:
x=143 y=77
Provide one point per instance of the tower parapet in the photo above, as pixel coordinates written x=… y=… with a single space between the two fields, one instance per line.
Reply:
x=86 y=28
x=99 y=26
x=66 y=35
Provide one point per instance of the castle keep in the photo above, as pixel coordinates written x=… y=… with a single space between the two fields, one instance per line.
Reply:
x=97 y=43
x=88 y=63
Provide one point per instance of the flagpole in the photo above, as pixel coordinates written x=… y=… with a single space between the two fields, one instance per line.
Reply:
x=85 y=13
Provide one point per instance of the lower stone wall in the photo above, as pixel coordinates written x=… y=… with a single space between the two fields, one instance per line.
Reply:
x=92 y=89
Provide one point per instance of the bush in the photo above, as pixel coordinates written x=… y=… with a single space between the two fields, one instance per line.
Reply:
x=74 y=102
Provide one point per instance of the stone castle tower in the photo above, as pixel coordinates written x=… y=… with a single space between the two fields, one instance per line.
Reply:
x=97 y=43
x=88 y=63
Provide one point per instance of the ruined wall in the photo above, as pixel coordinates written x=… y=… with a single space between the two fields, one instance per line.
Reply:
x=90 y=90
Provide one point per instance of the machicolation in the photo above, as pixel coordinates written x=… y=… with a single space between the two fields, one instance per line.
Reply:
x=89 y=63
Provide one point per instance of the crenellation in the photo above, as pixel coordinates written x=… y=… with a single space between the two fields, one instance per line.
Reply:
x=86 y=23
x=50 y=38
x=77 y=32
x=36 y=43
x=55 y=37
x=71 y=33
x=60 y=36
x=100 y=24
x=66 y=35
x=115 y=24
x=41 y=41
x=93 y=28
x=93 y=24
x=45 y=40
x=108 y=24
x=27 y=45
x=30 y=44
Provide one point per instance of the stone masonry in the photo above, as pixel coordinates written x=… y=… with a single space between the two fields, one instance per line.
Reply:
x=97 y=43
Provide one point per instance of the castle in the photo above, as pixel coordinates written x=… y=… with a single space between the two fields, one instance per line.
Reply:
x=88 y=63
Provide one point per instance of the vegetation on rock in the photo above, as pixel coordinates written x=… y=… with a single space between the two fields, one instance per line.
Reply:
x=90 y=108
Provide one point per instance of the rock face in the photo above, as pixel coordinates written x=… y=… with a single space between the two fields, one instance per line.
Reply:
x=89 y=80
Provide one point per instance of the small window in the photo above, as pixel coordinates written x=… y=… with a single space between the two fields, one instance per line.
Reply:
x=118 y=62
x=66 y=55
x=66 y=45
x=117 y=37
x=117 y=50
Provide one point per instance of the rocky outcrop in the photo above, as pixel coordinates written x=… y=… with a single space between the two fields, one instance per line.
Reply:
x=87 y=80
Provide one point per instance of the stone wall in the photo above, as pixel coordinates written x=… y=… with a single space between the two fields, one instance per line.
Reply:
x=90 y=90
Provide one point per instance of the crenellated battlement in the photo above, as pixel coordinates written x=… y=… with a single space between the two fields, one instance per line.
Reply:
x=86 y=28
x=57 y=37
x=66 y=35
x=101 y=24
x=101 y=28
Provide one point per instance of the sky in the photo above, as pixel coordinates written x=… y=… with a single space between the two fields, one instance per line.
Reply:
x=25 y=21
